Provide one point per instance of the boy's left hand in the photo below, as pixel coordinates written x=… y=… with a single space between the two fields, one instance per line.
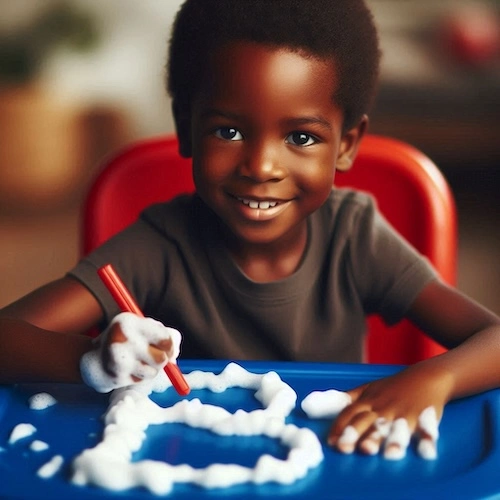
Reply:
x=386 y=413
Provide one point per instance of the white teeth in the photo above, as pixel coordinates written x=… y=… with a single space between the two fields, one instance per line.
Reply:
x=263 y=205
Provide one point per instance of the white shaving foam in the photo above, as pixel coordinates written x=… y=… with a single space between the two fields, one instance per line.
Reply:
x=132 y=357
x=21 y=431
x=428 y=423
x=41 y=401
x=325 y=404
x=349 y=436
x=38 y=445
x=108 y=465
x=50 y=468
x=426 y=448
x=398 y=440
x=383 y=427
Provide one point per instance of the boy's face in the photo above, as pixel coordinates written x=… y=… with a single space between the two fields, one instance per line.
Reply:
x=266 y=140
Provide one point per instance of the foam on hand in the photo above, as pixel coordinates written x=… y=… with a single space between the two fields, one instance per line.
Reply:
x=131 y=358
x=428 y=424
x=130 y=413
x=395 y=435
x=398 y=440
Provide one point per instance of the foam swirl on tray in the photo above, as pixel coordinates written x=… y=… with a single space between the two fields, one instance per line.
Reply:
x=130 y=412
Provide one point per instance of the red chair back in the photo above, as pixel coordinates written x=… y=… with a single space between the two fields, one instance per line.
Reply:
x=410 y=191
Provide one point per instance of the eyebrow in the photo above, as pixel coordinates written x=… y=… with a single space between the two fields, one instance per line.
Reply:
x=310 y=120
x=292 y=122
x=211 y=113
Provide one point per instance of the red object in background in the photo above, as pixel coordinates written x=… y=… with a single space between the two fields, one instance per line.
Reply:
x=127 y=304
x=471 y=34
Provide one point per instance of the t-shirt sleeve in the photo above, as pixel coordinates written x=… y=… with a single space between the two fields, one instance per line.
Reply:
x=388 y=271
x=137 y=255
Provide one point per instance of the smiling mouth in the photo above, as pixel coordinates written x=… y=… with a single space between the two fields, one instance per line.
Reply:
x=262 y=205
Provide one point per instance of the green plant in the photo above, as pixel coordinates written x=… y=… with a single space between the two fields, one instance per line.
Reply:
x=23 y=53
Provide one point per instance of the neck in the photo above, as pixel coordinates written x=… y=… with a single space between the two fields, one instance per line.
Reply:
x=266 y=262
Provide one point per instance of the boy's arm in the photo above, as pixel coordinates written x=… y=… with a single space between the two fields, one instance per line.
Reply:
x=470 y=366
x=471 y=331
x=42 y=335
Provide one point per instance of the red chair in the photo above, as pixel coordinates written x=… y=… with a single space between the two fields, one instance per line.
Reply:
x=410 y=191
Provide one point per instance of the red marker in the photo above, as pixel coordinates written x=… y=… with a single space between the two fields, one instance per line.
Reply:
x=127 y=304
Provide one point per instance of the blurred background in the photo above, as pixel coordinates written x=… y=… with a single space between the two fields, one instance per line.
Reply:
x=81 y=78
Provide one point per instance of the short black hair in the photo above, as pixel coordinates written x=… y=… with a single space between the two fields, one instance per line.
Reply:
x=340 y=30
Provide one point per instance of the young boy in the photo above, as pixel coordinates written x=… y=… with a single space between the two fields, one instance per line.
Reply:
x=265 y=261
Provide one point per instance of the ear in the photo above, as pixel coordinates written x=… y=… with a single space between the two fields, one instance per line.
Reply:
x=182 y=121
x=349 y=145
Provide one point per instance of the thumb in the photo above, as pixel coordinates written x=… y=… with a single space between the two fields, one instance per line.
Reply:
x=357 y=392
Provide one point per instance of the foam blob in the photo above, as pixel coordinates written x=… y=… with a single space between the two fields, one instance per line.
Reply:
x=41 y=401
x=325 y=404
x=21 y=431
x=51 y=467
x=109 y=465
x=38 y=445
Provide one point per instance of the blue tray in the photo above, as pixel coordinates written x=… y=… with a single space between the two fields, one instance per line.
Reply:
x=467 y=466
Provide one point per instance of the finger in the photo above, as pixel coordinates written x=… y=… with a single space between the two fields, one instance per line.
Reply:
x=165 y=345
x=346 y=442
x=428 y=433
x=427 y=448
x=347 y=414
x=143 y=371
x=398 y=440
x=159 y=356
x=114 y=335
x=370 y=445
x=359 y=424
x=357 y=391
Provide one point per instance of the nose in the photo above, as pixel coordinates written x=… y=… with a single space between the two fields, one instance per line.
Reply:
x=262 y=162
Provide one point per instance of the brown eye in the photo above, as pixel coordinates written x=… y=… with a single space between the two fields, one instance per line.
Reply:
x=228 y=134
x=301 y=139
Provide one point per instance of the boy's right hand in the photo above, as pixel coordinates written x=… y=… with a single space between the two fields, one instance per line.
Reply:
x=130 y=350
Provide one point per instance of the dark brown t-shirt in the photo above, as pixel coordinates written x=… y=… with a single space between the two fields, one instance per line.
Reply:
x=175 y=264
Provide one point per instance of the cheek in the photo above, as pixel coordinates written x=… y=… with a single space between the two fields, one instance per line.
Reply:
x=213 y=166
x=317 y=178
